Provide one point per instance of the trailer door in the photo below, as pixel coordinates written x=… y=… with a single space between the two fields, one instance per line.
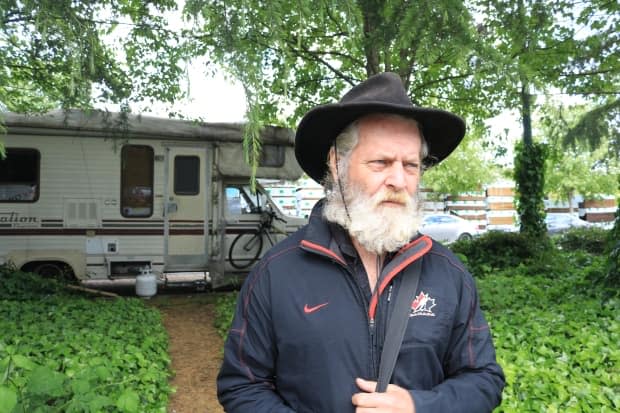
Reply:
x=186 y=207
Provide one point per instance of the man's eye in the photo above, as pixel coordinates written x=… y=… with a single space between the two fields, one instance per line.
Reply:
x=379 y=162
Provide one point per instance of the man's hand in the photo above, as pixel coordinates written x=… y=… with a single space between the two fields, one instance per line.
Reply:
x=395 y=399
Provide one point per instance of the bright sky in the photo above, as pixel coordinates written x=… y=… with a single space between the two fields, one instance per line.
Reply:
x=212 y=99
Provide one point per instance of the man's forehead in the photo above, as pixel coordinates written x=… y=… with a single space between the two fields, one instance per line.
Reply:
x=388 y=132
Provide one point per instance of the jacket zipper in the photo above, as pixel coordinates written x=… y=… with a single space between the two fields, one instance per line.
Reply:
x=373 y=347
x=373 y=367
x=374 y=339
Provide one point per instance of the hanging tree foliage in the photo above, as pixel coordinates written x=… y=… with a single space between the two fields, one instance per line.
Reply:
x=306 y=53
x=475 y=58
x=62 y=53
x=292 y=56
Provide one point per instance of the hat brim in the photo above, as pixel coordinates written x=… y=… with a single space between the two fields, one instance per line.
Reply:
x=442 y=130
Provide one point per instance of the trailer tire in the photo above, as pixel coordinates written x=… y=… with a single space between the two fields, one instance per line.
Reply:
x=57 y=270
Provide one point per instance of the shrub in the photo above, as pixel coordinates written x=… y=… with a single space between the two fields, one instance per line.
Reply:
x=18 y=285
x=611 y=280
x=496 y=250
x=592 y=240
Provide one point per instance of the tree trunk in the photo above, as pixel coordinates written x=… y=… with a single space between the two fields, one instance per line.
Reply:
x=526 y=112
x=570 y=201
x=371 y=46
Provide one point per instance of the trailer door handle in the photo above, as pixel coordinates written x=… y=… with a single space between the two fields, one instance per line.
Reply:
x=171 y=207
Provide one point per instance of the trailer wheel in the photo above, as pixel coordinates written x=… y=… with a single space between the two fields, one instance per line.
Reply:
x=52 y=269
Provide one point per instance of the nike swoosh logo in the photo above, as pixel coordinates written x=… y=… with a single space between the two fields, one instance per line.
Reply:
x=309 y=310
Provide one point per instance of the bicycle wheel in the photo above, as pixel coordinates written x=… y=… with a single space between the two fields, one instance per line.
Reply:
x=245 y=249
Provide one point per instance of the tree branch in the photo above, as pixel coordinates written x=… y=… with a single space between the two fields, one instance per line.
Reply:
x=590 y=73
x=446 y=78
x=323 y=62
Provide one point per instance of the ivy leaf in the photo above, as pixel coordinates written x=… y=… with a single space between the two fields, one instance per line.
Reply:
x=23 y=362
x=128 y=401
x=45 y=381
x=102 y=372
x=8 y=399
x=99 y=402
x=80 y=386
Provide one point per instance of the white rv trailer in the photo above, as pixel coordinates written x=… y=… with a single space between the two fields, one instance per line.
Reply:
x=103 y=195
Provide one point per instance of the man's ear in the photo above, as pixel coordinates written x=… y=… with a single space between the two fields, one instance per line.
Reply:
x=331 y=161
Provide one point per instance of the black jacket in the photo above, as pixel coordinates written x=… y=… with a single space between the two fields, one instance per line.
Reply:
x=304 y=330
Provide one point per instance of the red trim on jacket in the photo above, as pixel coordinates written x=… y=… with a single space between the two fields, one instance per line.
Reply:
x=323 y=250
x=374 y=301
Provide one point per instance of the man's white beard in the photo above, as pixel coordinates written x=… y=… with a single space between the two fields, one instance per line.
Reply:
x=377 y=228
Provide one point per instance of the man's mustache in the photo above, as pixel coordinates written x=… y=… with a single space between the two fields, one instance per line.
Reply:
x=400 y=197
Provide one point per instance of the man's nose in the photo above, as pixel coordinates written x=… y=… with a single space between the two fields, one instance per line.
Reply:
x=396 y=177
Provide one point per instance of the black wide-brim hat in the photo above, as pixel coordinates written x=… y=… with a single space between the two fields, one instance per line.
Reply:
x=381 y=93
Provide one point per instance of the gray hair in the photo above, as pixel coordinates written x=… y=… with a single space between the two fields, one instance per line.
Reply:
x=347 y=140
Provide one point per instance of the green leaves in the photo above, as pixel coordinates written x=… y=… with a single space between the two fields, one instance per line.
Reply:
x=61 y=352
x=583 y=159
x=299 y=54
x=463 y=170
x=530 y=178
x=224 y=312
x=22 y=362
x=8 y=399
x=129 y=401
x=65 y=53
x=44 y=381
x=563 y=359
x=555 y=339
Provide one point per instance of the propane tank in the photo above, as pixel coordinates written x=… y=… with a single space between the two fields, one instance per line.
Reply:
x=146 y=283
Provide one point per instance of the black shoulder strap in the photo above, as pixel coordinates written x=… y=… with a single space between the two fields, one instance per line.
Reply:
x=398 y=324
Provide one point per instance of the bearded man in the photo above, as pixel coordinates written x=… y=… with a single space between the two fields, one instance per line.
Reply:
x=312 y=316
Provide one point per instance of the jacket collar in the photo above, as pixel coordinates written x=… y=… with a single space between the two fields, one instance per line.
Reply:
x=318 y=239
x=318 y=236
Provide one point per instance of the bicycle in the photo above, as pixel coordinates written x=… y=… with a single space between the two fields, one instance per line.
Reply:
x=246 y=248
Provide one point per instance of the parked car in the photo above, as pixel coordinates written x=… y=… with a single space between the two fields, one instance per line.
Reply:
x=557 y=222
x=449 y=228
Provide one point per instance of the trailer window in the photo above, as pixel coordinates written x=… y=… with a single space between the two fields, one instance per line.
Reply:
x=19 y=175
x=186 y=175
x=136 y=181
x=240 y=200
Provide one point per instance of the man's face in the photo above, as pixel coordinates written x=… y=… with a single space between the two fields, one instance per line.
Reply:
x=386 y=159
x=378 y=203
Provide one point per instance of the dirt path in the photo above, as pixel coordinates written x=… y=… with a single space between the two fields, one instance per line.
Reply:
x=195 y=350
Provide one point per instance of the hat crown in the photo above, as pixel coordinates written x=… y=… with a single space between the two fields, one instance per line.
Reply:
x=381 y=93
x=381 y=88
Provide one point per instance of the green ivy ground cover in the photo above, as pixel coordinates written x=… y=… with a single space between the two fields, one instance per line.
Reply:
x=65 y=353
x=557 y=342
